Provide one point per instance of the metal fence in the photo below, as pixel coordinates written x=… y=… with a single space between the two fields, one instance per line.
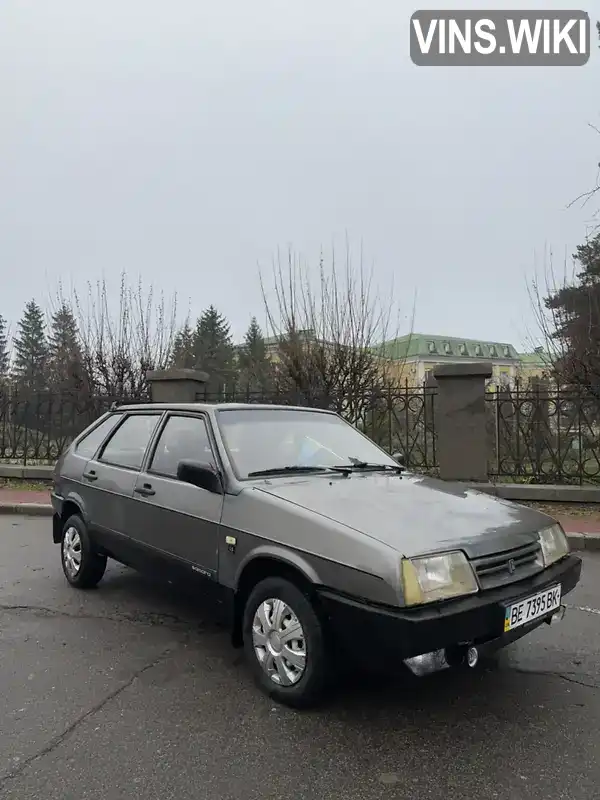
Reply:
x=35 y=429
x=534 y=436
x=543 y=436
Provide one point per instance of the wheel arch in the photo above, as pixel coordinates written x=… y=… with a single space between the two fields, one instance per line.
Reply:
x=71 y=505
x=266 y=562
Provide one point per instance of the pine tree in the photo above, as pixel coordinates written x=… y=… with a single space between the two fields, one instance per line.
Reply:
x=575 y=309
x=254 y=348
x=4 y=354
x=183 y=348
x=213 y=349
x=253 y=359
x=65 y=361
x=31 y=349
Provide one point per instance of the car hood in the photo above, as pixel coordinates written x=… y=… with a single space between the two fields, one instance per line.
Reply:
x=414 y=514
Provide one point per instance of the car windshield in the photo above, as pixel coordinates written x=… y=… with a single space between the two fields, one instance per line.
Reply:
x=260 y=439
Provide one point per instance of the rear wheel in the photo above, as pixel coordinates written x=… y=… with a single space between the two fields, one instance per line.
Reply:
x=285 y=644
x=82 y=564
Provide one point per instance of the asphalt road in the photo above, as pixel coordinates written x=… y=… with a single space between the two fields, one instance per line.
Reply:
x=129 y=691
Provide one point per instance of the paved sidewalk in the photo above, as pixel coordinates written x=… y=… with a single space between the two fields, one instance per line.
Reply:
x=579 y=525
x=12 y=496
x=35 y=504
x=584 y=533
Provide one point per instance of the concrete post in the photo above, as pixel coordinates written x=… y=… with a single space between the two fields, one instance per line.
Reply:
x=460 y=421
x=177 y=385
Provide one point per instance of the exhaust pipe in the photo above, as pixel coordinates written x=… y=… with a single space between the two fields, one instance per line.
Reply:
x=442 y=659
x=462 y=654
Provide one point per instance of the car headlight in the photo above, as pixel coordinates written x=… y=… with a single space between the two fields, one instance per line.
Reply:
x=437 y=577
x=555 y=544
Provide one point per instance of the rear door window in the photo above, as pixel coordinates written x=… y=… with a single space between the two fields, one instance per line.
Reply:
x=127 y=446
x=88 y=446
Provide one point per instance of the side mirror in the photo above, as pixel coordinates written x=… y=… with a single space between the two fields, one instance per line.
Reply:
x=201 y=475
x=399 y=457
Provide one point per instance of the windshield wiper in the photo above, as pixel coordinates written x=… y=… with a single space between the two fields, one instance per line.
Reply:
x=357 y=464
x=293 y=468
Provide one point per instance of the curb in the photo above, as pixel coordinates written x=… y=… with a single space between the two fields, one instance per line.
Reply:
x=578 y=541
x=27 y=509
x=584 y=541
x=545 y=493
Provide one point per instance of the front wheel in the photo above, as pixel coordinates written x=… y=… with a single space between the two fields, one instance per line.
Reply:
x=82 y=564
x=284 y=643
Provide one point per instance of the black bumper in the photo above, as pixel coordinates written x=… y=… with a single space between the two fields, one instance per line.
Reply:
x=392 y=635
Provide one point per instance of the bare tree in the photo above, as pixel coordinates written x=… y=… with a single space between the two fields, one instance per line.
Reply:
x=547 y=319
x=121 y=341
x=590 y=194
x=567 y=307
x=6 y=347
x=329 y=330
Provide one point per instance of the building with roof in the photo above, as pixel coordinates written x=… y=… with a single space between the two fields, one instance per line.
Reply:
x=412 y=358
x=417 y=354
x=538 y=364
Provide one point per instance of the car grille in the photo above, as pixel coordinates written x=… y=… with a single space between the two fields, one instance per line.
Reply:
x=507 y=567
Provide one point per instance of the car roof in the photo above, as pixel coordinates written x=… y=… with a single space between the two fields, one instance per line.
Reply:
x=216 y=407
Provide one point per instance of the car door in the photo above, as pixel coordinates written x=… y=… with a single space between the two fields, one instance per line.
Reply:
x=110 y=479
x=175 y=519
x=72 y=465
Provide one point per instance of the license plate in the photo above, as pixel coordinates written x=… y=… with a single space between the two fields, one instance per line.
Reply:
x=531 y=608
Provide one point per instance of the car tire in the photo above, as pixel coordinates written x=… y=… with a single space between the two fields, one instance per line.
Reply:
x=82 y=565
x=293 y=671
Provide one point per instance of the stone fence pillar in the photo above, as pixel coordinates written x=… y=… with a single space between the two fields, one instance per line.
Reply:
x=460 y=421
x=177 y=385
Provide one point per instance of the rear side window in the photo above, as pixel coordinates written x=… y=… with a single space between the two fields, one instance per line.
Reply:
x=88 y=446
x=127 y=445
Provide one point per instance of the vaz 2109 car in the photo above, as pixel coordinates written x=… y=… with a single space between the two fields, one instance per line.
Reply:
x=315 y=540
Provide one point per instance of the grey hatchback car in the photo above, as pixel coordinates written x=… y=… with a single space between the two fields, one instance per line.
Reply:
x=313 y=541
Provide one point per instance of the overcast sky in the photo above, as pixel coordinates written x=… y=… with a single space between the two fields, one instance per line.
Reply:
x=187 y=140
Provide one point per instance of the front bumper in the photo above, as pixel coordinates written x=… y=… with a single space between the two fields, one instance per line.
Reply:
x=390 y=636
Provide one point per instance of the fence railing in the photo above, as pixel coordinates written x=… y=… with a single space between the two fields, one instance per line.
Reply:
x=36 y=428
x=543 y=436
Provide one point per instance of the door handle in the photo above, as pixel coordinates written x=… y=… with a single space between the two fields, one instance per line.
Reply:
x=146 y=490
x=91 y=475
